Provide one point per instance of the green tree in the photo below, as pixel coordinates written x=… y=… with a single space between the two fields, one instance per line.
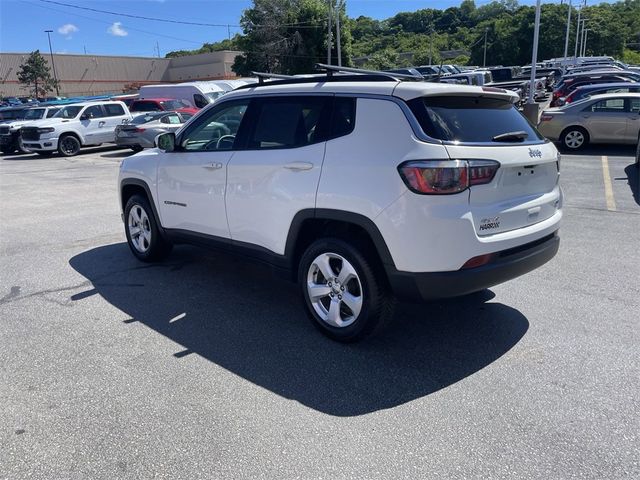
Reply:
x=288 y=36
x=34 y=73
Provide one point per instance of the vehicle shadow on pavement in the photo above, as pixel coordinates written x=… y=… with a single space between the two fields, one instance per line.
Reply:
x=237 y=315
x=633 y=178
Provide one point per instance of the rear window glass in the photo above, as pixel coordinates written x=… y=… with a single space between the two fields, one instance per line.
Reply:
x=470 y=119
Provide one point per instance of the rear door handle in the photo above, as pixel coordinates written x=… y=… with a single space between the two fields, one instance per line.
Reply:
x=299 y=166
x=213 y=166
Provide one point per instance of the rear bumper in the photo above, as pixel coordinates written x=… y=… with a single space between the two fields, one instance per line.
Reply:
x=506 y=265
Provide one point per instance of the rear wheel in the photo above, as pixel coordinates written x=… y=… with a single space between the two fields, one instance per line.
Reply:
x=142 y=230
x=69 y=146
x=345 y=296
x=574 y=138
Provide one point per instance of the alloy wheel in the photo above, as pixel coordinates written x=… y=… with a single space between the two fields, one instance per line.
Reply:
x=139 y=228
x=334 y=290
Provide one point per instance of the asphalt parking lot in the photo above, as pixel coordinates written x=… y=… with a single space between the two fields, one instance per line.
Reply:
x=206 y=367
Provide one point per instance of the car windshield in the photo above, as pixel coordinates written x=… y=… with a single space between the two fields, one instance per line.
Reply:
x=471 y=119
x=146 y=118
x=71 y=111
x=35 y=114
x=173 y=104
x=12 y=114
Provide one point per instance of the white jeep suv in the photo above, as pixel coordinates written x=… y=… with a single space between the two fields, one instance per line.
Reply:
x=75 y=126
x=363 y=188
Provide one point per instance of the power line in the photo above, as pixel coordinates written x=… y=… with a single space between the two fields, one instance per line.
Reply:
x=181 y=22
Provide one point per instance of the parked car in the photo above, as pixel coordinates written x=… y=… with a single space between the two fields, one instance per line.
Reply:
x=75 y=126
x=571 y=82
x=609 y=118
x=141 y=132
x=10 y=140
x=162 y=105
x=597 y=89
x=360 y=190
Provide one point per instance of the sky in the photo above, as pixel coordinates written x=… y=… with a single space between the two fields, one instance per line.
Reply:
x=23 y=22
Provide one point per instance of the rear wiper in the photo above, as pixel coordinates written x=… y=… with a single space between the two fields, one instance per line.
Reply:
x=510 y=136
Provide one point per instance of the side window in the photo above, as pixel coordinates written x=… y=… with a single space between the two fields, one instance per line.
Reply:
x=217 y=130
x=344 y=116
x=172 y=119
x=634 y=105
x=610 y=105
x=94 y=111
x=145 y=106
x=114 y=110
x=52 y=112
x=289 y=122
x=199 y=100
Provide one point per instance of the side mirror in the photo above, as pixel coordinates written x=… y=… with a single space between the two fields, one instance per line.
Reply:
x=166 y=141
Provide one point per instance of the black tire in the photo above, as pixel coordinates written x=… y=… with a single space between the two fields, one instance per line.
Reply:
x=569 y=138
x=136 y=148
x=7 y=150
x=158 y=247
x=69 y=145
x=377 y=301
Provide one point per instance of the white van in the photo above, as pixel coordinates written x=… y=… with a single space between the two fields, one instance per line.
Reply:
x=198 y=94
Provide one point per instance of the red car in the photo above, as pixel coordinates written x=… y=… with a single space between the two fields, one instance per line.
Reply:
x=161 y=105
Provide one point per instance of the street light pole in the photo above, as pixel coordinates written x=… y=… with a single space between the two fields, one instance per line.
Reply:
x=55 y=76
x=329 y=35
x=534 y=57
x=584 y=43
x=484 y=60
x=575 y=53
x=584 y=21
x=566 y=38
x=339 y=52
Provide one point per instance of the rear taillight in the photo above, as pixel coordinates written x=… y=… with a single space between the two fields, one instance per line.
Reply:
x=139 y=130
x=442 y=177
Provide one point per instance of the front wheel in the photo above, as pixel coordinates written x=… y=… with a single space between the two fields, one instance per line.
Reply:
x=69 y=146
x=142 y=230
x=345 y=296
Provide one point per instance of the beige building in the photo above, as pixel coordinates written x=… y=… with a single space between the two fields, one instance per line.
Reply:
x=95 y=74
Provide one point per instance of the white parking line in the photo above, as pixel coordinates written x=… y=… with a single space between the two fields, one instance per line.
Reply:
x=608 y=188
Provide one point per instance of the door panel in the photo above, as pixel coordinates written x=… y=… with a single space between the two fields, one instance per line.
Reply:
x=191 y=188
x=633 y=120
x=606 y=120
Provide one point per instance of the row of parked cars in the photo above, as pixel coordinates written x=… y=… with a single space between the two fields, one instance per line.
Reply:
x=132 y=121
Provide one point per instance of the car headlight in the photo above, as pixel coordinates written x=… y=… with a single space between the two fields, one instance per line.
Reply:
x=46 y=130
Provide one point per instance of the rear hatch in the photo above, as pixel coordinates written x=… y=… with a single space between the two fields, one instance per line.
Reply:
x=524 y=190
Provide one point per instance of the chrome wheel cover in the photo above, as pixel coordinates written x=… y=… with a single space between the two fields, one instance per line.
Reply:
x=574 y=139
x=139 y=228
x=334 y=290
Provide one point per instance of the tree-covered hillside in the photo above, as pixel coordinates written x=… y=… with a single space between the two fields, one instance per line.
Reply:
x=289 y=36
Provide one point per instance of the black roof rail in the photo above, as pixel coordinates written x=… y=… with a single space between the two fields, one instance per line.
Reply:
x=262 y=76
x=331 y=69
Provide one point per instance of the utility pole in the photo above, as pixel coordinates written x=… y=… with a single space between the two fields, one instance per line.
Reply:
x=575 y=52
x=430 y=46
x=566 y=38
x=584 y=21
x=228 y=31
x=158 y=48
x=55 y=75
x=584 y=43
x=338 y=33
x=484 y=60
x=329 y=36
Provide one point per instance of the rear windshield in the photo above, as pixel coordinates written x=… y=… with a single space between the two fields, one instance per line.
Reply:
x=174 y=104
x=35 y=114
x=470 y=119
x=149 y=117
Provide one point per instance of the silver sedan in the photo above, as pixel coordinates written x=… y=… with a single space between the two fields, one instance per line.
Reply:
x=141 y=132
x=608 y=118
